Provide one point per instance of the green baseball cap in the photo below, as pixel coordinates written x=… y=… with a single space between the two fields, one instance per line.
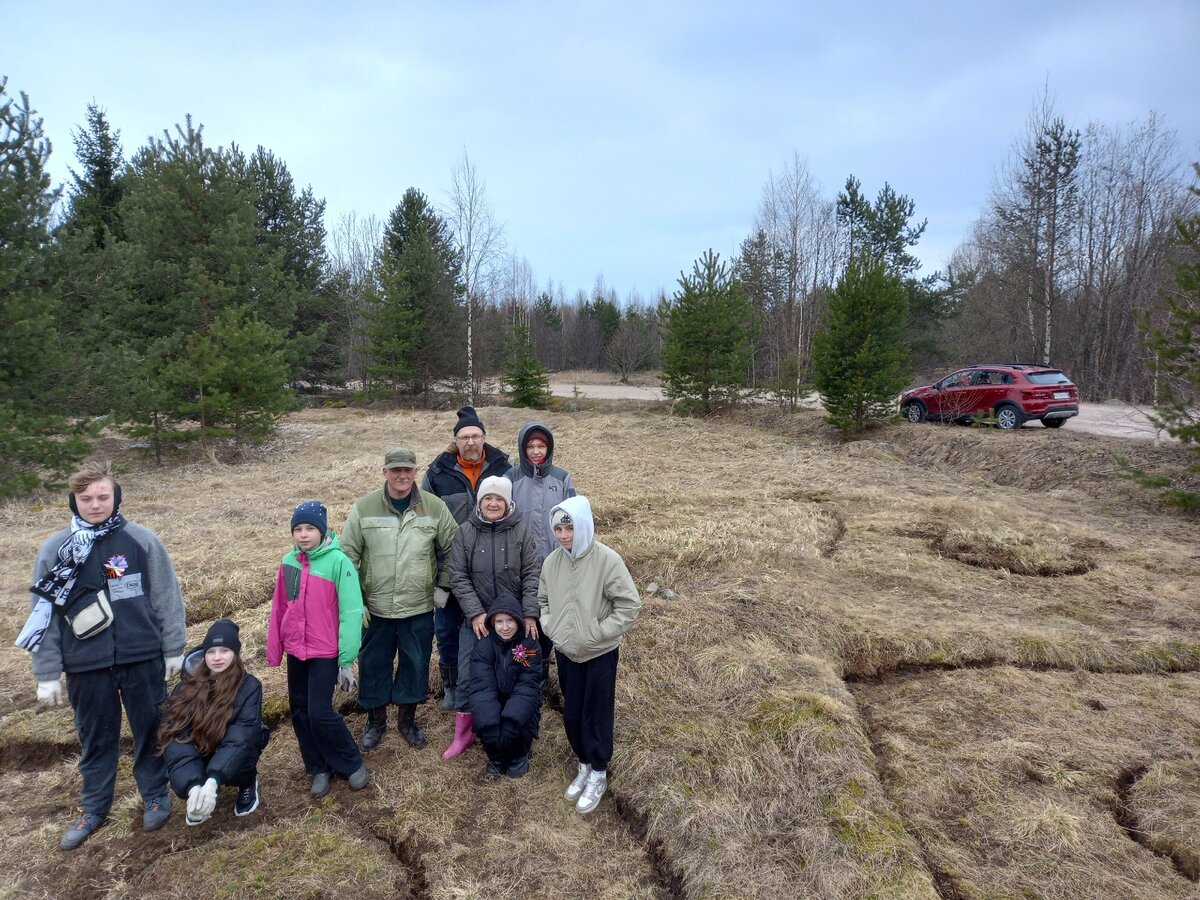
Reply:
x=400 y=458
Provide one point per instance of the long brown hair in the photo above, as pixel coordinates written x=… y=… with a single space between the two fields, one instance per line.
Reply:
x=205 y=705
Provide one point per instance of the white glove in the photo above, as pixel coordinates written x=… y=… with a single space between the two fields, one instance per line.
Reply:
x=193 y=803
x=346 y=680
x=441 y=597
x=202 y=800
x=49 y=693
x=173 y=664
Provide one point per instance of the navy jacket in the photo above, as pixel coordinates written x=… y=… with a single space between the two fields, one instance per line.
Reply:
x=238 y=751
x=446 y=479
x=504 y=692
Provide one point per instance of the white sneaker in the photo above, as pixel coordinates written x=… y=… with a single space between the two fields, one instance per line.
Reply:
x=575 y=788
x=593 y=790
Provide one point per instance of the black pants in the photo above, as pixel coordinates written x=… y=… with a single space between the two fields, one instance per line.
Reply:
x=589 y=706
x=393 y=664
x=182 y=782
x=506 y=752
x=97 y=698
x=326 y=744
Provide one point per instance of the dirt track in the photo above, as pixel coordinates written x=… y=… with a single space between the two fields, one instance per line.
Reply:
x=1113 y=418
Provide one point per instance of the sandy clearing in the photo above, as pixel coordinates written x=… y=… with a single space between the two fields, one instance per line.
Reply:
x=1113 y=418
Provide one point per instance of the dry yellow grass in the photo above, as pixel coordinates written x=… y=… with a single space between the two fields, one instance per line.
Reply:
x=770 y=742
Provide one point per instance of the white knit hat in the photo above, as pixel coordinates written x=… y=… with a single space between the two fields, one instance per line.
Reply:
x=498 y=485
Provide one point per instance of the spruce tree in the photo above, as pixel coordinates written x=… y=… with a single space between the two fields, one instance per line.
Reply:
x=37 y=442
x=859 y=358
x=709 y=326
x=291 y=224
x=1176 y=342
x=524 y=382
x=420 y=291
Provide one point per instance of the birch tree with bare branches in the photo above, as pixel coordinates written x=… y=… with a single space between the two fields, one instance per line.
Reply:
x=480 y=241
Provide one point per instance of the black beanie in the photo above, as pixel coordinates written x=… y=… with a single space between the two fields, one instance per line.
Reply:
x=466 y=418
x=311 y=512
x=223 y=633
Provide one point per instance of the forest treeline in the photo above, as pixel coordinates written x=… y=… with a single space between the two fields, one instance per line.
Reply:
x=188 y=293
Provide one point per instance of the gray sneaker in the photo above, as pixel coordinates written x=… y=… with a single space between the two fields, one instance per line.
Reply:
x=358 y=780
x=575 y=788
x=156 y=813
x=81 y=830
x=320 y=785
x=593 y=790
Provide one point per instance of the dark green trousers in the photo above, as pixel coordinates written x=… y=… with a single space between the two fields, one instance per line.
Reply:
x=393 y=664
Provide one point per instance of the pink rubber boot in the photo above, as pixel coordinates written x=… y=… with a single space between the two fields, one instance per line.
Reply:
x=464 y=735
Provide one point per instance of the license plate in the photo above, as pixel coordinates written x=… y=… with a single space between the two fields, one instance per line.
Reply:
x=1061 y=395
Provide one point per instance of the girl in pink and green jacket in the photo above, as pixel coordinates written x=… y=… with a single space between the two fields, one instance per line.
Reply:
x=316 y=620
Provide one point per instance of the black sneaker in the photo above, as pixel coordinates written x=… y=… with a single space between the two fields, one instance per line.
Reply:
x=247 y=799
x=494 y=769
x=517 y=767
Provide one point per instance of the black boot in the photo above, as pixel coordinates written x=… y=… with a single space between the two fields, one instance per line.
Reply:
x=376 y=726
x=408 y=726
x=449 y=687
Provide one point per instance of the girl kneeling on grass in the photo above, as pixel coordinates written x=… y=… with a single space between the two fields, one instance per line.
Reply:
x=588 y=602
x=506 y=689
x=317 y=620
x=212 y=731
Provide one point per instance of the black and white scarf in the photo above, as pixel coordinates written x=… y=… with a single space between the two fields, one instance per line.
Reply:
x=55 y=587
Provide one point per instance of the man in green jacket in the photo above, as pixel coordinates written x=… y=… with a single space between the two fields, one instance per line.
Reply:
x=397 y=538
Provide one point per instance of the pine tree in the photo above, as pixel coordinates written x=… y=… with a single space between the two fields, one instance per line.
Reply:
x=234 y=375
x=524 y=381
x=37 y=443
x=193 y=251
x=859 y=358
x=709 y=326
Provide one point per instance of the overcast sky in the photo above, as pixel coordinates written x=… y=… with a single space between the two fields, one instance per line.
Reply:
x=616 y=138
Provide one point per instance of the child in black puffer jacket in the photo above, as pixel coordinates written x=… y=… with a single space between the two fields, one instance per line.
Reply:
x=506 y=689
x=212 y=731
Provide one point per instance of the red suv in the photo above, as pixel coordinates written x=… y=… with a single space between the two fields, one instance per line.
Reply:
x=1014 y=392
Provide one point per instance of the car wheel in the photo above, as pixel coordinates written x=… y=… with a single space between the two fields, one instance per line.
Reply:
x=1054 y=423
x=915 y=411
x=1008 y=417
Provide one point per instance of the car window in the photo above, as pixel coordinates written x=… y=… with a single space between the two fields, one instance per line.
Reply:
x=958 y=379
x=1048 y=378
x=993 y=377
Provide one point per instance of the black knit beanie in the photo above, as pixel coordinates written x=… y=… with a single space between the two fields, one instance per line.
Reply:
x=466 y=418
x=223 y=633
x=311 y=512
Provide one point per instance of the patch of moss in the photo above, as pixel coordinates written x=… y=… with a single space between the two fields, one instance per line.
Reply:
x=781 y=714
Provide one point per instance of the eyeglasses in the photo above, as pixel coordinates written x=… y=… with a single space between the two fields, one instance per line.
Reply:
x=469 y=438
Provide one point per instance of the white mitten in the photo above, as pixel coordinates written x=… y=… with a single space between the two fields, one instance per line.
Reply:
x=173 y=664
x=206 y=801
x=49 y=693
x=441 y=597
x=346 y=680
